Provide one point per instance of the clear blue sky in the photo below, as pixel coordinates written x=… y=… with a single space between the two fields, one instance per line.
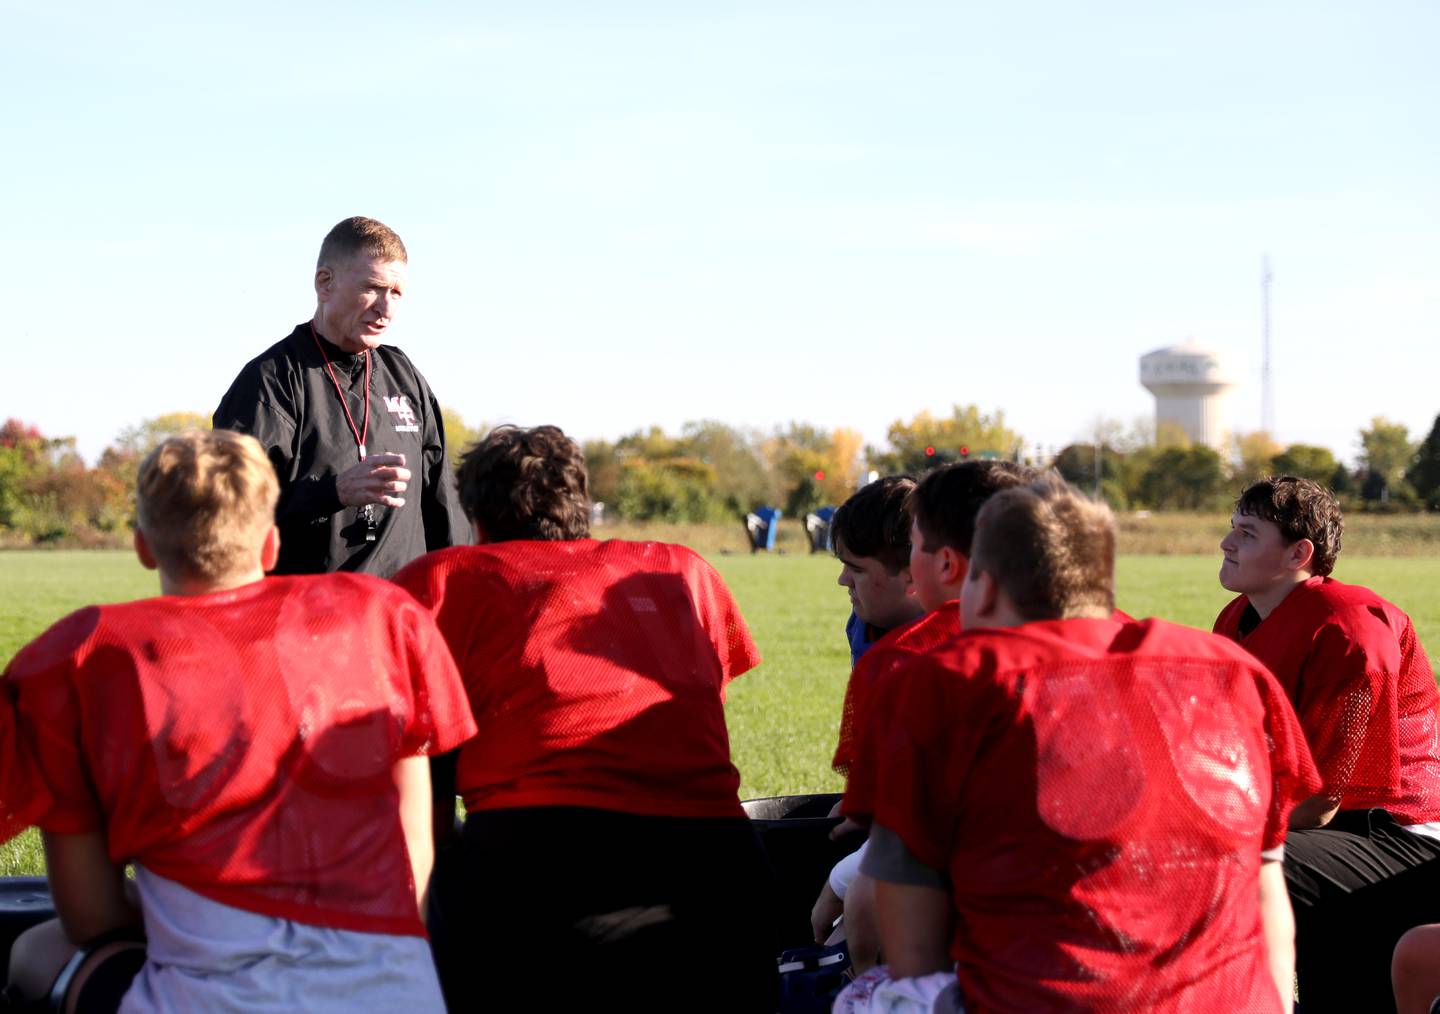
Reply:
x=624 y=214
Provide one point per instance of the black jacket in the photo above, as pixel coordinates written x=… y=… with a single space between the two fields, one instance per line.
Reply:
x=286 y=400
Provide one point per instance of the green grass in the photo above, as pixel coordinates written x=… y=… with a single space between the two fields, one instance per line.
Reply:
x=782 y=716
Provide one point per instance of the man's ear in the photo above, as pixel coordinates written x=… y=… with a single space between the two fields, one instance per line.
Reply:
x=1300 y=555
x=324 y=277
x=987 y=601
x=142 y=550
x=270 y=549
x=954 y=565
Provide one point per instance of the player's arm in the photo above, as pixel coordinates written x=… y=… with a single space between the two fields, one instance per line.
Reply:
x=412 y=779
x=1278 y=922
x=911 y=907
x=1316 y=811
x=914 y=924
x=87 y=888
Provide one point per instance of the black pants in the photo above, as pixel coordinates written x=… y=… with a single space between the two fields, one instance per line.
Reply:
x=568 y=908
x=1356 y=885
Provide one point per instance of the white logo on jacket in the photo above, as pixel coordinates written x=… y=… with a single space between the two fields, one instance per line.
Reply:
x=399 y=406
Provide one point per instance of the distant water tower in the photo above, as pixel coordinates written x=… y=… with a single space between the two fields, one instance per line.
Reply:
x=1189 y=383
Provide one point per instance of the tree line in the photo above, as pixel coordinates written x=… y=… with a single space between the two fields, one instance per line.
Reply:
x=714 y=471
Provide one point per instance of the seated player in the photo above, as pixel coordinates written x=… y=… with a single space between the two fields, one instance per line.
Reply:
x=256 y=747
x=605 y=851
x=1070 y=812
x=871 y=536
x=941 y=509
x=1364 y=850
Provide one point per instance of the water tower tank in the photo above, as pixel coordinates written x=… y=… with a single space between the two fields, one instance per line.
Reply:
x=1189 y=383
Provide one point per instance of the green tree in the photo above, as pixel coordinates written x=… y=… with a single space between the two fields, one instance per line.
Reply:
x=1424 y=472
x=141 y=439
x=966 y=427
x=741 y=478
x=1308 y=462
x=1387 y=453
x=1183 y=478
x=459 y=435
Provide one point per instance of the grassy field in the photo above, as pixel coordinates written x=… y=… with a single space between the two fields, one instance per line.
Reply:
x=783 y=715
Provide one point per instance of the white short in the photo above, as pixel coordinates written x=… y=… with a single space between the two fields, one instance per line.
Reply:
x=876 y=993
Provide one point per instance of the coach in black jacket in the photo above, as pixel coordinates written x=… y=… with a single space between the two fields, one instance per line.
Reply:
x=350 y=425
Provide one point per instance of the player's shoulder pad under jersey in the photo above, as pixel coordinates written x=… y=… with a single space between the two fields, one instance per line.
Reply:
x=62 y=641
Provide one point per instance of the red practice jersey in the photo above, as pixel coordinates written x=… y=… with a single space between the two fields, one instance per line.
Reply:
x=596 y=672
x=23 y=795
x=243 y=743
x=1364 y=690
x=1099 y=795
x=889 y=653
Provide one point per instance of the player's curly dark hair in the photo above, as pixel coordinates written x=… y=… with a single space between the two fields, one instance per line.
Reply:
x=874 y=522
x=1301 y=509
x=526 y=484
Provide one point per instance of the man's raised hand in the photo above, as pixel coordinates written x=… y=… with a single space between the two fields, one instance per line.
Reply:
x=380 y=478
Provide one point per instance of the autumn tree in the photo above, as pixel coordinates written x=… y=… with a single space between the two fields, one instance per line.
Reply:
x=1255 y=455
x=143 y=437
x=965 y=432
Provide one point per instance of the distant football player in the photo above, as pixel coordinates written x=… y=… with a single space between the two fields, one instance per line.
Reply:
x=1070 y=812
x=605 y=854
x=256 y=747
x=1363 y=863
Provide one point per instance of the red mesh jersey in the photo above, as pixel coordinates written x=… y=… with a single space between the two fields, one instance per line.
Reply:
x=242 y=743
x=1099 y=794
x=1364 y=690
x=887 y=655
x=596 y=672
x=23 y=796
x=884 y=656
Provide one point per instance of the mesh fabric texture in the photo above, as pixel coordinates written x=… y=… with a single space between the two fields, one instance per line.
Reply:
x=1364 y=690
x=1098 y=794
x=243 y=743
x=596 y=672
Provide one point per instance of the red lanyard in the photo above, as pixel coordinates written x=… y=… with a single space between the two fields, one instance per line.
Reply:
x=360 y=434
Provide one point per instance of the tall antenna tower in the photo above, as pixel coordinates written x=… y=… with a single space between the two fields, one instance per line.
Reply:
x=1267 y=393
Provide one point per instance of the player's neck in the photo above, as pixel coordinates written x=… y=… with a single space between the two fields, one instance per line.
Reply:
x=1265 y=602
x=187 y=587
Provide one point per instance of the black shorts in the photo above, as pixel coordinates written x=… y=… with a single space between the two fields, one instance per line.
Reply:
x=558 y=908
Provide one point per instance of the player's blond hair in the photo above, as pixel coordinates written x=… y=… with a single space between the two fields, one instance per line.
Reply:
x=1049 y=548
x=205 y=500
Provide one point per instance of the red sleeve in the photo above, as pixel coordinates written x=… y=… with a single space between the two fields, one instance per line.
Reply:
x=917 y=754
x=441 y=718
x=23 y=795
x=721 y=618
x=865 y=676
x=1342 y=702
x=1294 y=777
x=42 y=680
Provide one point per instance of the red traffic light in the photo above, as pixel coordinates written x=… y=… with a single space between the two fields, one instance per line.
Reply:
x=964 y=452
x=929 y=452
x=820 y=475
